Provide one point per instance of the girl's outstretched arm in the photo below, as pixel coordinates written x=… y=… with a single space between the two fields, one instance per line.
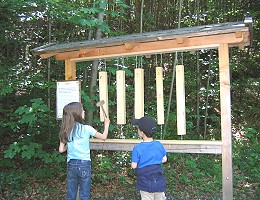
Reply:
x=63 y=147
x=103 y=136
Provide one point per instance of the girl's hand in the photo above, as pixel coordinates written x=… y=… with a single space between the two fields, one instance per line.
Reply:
x=103 y=136
x=63 y=147
x=106 y=121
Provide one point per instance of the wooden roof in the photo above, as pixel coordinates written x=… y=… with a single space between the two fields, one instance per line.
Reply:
x=165 y=41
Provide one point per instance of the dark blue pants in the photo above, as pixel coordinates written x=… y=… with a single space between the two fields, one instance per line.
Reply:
x=78 y=174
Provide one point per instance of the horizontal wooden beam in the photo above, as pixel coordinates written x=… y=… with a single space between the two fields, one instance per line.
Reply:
x=171 y=146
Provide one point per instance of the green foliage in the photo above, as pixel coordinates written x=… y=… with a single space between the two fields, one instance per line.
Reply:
x=15 y=182
x=111 y=166
x=248 y=154
x=32 y=150
x=29 y=153
x=201 y=173
x=246 y=160
x=32 y=114
x=103 y=169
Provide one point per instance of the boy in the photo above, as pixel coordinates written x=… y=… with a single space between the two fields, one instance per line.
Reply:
x=147 y=157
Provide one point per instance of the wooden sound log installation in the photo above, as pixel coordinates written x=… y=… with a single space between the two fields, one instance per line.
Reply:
x=159 y=94
x=120 y=91
x=222 y=36
x=103 y=93
x=139 y=92
x=180 y=99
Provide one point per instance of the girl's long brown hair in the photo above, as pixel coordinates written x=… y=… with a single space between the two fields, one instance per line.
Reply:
x=72 y=115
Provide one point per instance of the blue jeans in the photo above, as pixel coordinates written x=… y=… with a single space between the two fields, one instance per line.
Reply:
x=78 y=174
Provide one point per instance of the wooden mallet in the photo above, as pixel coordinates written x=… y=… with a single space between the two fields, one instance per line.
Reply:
x=100 y=104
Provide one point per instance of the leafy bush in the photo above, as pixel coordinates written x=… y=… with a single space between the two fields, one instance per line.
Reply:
x=247 y=156
x=13 y=183
x=30 y=153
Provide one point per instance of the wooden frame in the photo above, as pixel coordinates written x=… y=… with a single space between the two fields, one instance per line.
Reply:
x=216 y=36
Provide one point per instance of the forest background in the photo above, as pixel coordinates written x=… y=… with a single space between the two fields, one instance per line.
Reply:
x=32 y=168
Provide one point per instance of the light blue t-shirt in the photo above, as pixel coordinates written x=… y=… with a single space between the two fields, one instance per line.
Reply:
x=78 y=145
x=148 y=153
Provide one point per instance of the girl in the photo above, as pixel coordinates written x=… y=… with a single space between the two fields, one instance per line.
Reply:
x=74 y=137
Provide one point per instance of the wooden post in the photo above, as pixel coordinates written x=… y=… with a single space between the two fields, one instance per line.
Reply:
x=70 y=74
x=139 y=93
x=159 y=94
x=70 y=70
x=180 y=96
x=103 y=93
x=120 y=91
x=226 y=134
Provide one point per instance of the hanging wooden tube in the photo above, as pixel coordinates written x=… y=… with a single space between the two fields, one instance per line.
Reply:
x=180 y=99
x=139 y=92
x=120 y=91
x=159 y=95
x=103 y=93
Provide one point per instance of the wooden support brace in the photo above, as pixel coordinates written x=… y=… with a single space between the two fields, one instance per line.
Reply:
x=180 y=95
x=159 y=95
x=70 y=70
x=120 y=90
x=103 y=93
x=139 y=92
x=239 y=34
x=241 y=45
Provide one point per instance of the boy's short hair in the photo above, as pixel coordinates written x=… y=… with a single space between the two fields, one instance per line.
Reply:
x=146 y=124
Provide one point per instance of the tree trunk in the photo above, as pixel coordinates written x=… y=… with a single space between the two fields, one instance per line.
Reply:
x=94 y=73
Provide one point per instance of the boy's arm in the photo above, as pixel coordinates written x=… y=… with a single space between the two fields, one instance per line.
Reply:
x=164 y=159
x=134 y=165
x=63 y=147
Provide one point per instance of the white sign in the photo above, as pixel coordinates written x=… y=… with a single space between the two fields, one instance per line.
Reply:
x=67 y=92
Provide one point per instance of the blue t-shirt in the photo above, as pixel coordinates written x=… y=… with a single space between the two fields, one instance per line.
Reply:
x=148 y=153
x=78 y=145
